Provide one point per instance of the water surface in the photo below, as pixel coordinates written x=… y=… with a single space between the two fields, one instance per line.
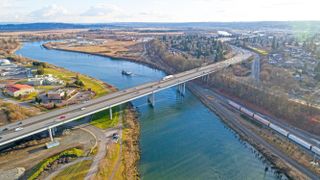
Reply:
x=180 y=137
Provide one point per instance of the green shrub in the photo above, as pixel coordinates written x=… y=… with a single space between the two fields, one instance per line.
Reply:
x=74 y=152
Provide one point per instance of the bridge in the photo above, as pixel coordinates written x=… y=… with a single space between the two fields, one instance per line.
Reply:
x=50 y=120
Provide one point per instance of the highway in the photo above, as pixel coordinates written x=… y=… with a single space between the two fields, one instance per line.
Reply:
x=59 y=117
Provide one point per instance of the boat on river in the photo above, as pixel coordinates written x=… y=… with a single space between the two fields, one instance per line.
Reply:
x=126 y=73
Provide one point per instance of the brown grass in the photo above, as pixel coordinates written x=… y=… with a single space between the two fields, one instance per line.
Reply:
x=131 y=145
x=110 y=47
x=14 y=112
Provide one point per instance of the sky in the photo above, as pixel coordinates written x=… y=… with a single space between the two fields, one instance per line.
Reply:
x=106 y=11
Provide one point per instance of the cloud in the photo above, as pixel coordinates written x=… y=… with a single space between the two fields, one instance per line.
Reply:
x=102 y=10
x=49 y=13
x=156 y=11
x=4 y=4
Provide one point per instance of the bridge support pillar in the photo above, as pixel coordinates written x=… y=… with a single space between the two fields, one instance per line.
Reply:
x=182 y=89
x=50 y=134
x=205 y=78
x=151 y=99
x=54 y=130
x=110 y=113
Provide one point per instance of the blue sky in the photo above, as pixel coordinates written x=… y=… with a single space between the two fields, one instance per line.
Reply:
x=101 y=11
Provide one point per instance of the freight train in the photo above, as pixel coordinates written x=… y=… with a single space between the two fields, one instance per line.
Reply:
x=276 y=128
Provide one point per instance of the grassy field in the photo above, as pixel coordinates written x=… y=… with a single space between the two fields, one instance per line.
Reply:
x=76 y=171
x=108 y=165
x=30 y=96
x=45 y=88
x=102 y=119
x=110 y=47
x=89 y=83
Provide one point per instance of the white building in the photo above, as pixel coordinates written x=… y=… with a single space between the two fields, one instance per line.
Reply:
x=40 y=80
x=35 y=81
x=224 y=34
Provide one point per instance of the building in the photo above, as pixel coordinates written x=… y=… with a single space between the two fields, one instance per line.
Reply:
x=16 y=90
x=56 y=95
x=35 y=81
x=224 y=34
x=48 y=79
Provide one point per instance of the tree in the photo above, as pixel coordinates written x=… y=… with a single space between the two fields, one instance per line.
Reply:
x=37 y=100
x=65 y=95
x=40 y=71
x=79 y=83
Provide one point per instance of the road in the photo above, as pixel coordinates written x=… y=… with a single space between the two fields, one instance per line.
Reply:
x=218 y=104
x=56 y=118
x=255 y=67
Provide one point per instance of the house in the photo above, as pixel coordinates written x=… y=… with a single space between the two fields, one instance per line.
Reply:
x=35 y=81
x=16 y=90
x=48 y=79
x=56 y=95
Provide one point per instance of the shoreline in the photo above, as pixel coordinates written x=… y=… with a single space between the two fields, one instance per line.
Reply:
x=268 y=155
x=133 y=130
x=143 y=62
x=131 y=148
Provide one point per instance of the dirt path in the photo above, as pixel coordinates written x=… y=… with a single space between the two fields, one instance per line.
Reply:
x=104 y=138
x=115 y=169
x=102 y=150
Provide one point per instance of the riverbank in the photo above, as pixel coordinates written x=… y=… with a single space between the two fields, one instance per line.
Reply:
x=152 y=131
x=131 y=131
x=140 y=60
x=249 y=134
x=131 y=149
x=278 y=158
x=263 y=149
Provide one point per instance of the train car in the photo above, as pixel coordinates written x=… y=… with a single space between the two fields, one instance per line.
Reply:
x=315 y=150
x=261 y=119
x=246 y=111
x=279 y=129
x=235 y=105
x=300 y=141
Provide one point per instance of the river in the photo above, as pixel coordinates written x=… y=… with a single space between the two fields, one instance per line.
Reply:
x=180 y=137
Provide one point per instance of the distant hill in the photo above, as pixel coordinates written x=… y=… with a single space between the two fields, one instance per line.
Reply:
x=48 y=26
x=284 y=25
